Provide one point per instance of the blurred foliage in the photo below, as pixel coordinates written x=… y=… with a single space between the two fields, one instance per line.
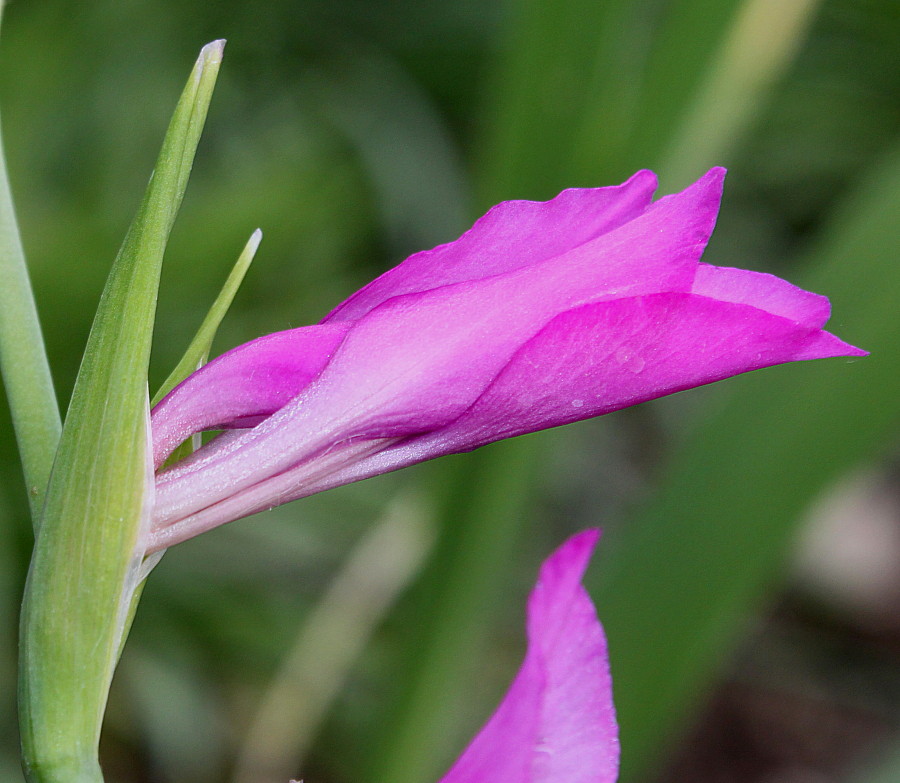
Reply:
x=354 y=132
x=717 y=529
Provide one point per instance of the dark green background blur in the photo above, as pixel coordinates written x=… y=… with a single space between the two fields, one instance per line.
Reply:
x=356 y=132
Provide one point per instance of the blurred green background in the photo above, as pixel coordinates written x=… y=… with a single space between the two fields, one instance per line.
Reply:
x=749 y=577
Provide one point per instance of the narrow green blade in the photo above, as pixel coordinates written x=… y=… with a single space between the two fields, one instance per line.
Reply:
x=686 y=37
x=85 y=559
x=586 y=93
x=483 y=500
x=559 y=64
x=198 y=350
x=194 y=356
x=23 y=357
x=759 y=46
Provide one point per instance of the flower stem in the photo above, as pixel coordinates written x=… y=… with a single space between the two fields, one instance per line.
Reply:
x=66 y=771
x=23 y=358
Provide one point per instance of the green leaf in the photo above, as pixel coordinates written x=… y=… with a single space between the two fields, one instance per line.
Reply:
x=23 y=357
x=560 y=64
x=729 y=506
x=759 y=46
x=198 y=351
x=86 y=560
x=585 y=93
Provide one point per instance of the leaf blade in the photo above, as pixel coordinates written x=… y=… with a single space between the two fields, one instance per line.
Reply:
x=85 y=553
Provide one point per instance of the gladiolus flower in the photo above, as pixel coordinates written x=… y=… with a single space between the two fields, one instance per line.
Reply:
x=557 y=721
x=543 y=313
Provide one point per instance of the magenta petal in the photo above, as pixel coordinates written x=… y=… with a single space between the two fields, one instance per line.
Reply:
x=243 y=386
x=763 y=291
x=542 y=314
x=417 y=361
x=601 y=357
x=557 y=721
x=512 y=235
x=606 y=356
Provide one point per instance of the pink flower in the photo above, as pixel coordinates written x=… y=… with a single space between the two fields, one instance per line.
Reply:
x=542 y=314
x=557 y=721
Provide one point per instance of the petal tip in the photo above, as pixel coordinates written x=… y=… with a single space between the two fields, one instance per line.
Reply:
x=714 y=179
x=585 y=541
x=644 y=176
x=570 y=560
x=581 y=544
x=851 y=351
x=825 y=345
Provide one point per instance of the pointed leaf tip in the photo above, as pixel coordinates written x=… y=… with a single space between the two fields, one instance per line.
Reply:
x=199 y=348
x=75 y=608
x=211 y=54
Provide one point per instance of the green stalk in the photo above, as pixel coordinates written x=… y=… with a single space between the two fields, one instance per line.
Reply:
x=87 y=557
x=759 y=47
x=23 y=357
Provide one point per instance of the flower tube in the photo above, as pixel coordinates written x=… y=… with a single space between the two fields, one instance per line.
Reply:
x=543 y=313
